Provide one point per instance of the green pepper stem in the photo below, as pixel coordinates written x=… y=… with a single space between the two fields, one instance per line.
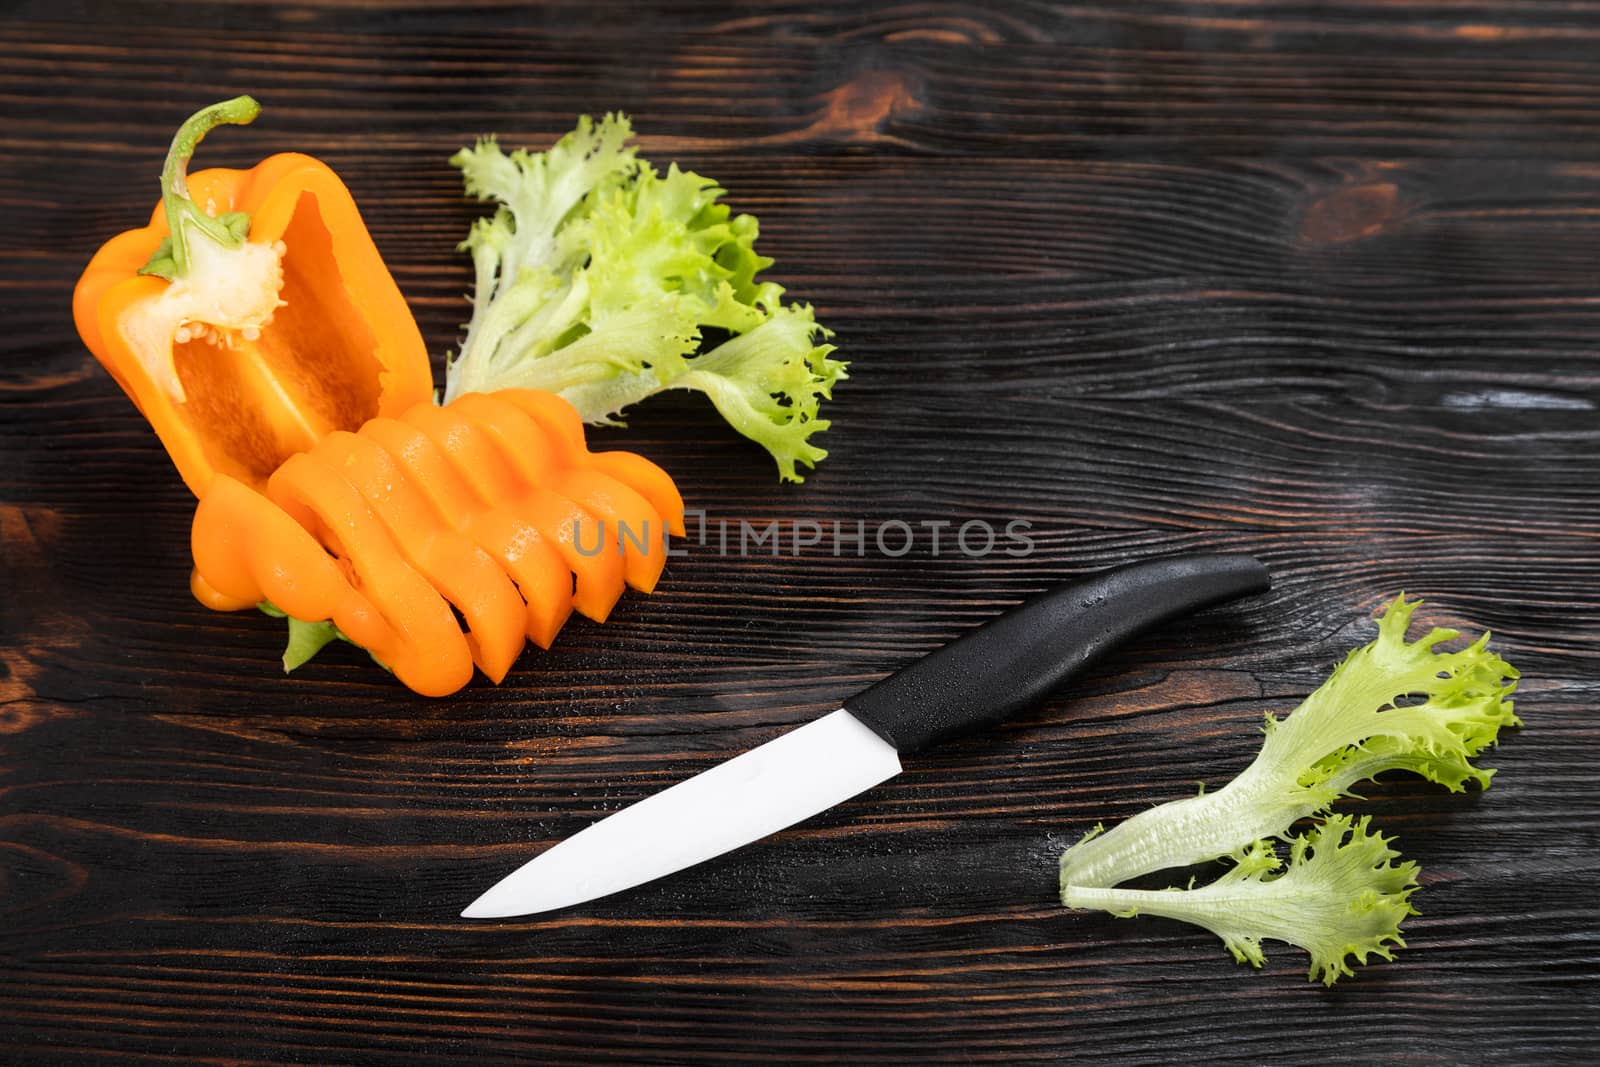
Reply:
x=182 y=212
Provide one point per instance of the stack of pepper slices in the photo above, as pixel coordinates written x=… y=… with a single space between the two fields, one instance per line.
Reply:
x=255 y=326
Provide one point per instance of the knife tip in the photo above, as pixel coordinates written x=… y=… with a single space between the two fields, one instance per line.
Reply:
x=508 y=900
x=485 y=908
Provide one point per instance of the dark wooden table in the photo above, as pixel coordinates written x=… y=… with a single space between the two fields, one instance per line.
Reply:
x=1316 y=282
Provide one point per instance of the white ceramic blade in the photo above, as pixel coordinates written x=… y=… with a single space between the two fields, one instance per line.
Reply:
x=788 y=779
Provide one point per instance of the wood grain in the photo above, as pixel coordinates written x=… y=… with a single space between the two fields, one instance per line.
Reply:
x=1312 y=281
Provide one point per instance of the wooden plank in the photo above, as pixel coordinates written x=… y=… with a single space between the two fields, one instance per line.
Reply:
x=1310 y=281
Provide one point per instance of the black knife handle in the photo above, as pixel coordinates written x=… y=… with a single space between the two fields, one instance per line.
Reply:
x=1014 y=661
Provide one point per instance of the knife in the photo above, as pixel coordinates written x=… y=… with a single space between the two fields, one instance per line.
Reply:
x=996 y=670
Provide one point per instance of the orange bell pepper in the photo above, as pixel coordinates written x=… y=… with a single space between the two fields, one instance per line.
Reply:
x=530 y=561
x=255 y=326
x=624 y=521
x=491 y=607
x=384 y=531
x=253 y=315
x=532 y=513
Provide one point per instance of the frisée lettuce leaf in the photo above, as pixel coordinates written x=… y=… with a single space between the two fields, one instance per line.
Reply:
x=1341 y=896
x=607 y=281
x=1391 y=705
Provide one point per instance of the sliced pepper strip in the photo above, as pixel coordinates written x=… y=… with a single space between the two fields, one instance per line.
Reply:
x=629 y=526
x=558 y=520
x=532 y=563
x=564 y=430
x=248 y=550
x=458 y=569
x=428 y=651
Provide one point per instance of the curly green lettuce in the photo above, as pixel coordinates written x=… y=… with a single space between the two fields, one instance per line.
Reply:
x=1392 y=705
x=602 y=279
x=1341 y=896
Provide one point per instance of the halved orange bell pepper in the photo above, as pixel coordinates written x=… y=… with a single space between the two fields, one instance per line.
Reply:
x=253 y=315
x=255 y=326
